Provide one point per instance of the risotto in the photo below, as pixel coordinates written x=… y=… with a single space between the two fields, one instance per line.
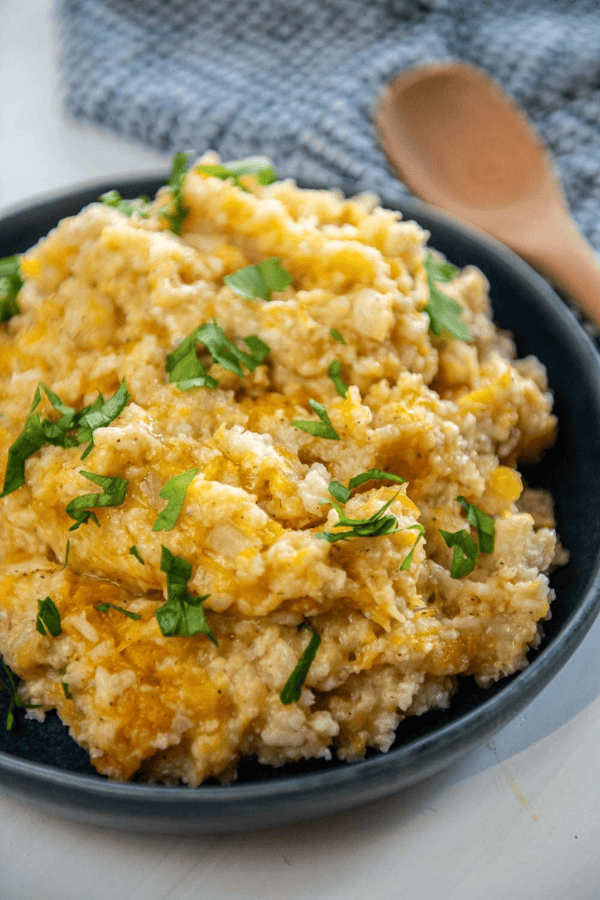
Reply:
x=261 y=495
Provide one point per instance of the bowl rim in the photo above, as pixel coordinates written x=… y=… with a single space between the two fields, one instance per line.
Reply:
x=216 y=808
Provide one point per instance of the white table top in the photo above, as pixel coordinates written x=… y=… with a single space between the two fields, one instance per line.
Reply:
x=518 y=817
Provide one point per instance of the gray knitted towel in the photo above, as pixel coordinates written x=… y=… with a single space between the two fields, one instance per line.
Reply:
x=296 y=79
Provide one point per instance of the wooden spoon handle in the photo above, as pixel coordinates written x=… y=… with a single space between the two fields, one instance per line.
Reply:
x=558 y=250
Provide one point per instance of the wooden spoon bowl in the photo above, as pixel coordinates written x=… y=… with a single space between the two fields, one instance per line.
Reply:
x=460 y=144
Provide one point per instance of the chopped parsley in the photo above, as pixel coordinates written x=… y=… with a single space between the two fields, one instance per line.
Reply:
x=406 y=562
x=173 y=492
x=133 y=551
x=182 y=615
x=113 y=494
x=47 y=620
x=371 y=526
x=444 y=312
x=259 y=167
x=138 y=207
x=10 y=285
x=465 y=552
x=69 y=430
x=465 y=548
x=323 y=428
x=176 y=211
x=99 y=414
x=339 y=384
x=342 y=494
x=67 y=551
x=486 y=530
x=186 y=370
x=258 y=282
x=66 y=690
x=15 y=700
x=335 y=334
x=104 y=608
x=292 y=689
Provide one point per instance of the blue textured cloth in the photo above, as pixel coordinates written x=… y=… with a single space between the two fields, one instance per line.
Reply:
x=296 y=80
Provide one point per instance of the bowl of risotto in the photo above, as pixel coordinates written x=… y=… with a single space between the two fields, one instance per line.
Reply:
x=298 y=497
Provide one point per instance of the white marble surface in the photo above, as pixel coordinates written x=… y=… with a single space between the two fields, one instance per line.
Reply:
x=518 y=817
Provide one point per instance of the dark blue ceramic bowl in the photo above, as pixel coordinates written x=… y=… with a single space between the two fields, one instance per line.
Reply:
x=40 y=764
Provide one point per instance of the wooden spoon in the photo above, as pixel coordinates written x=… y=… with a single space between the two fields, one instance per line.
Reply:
x=460 y=144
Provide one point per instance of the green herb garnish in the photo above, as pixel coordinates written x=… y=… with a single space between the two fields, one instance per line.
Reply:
x=292 y=689
x=35 y=434
x=339 y=384
x=99 y=414
x=10 y=285
x=372 y=526
x=67 y=551
x=47 y=620
x=113 y=494
x=259 y=281
x=136 y=207
x=322 y=429
x=182 y=615
x=133 y=551
x=465 y=549
x=173 y=492
x=486 y=529
x=337 y=336
x=257 y=166
x=444 y=312
x=15 y=700
x=176 y=211
x=409 y=556
x=66 y=690
x=342 y=494
x=69 y=430
x=186 y=370
x=104 y=608
x=465 y=552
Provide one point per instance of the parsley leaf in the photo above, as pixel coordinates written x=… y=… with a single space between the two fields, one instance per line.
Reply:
x=342 y=494
x=176 y=211
x=187 y=371
x=38 y=432
x=10 y=285
x=184 y=367
x=99 y=414
x=15 y=700
x=173 y=492
x=104 y=607
x=339 y=384
x=133 y=551
x=444 y=312
x=465 y=552
x=258 y=166
x=372 y=526
x=335 y=334
x=127 y=207
x=322 y=429
x=259 y=281
x=409 y=556
x=66 y=690
x=47 y=620
x=292 y=689
x=182 y=615
x=113 y=494
x=486 y=530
